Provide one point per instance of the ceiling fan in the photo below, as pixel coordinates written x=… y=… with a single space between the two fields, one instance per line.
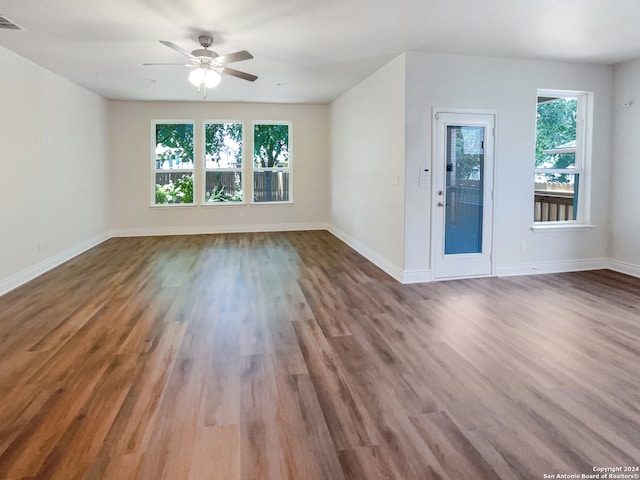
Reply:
x=208 y=65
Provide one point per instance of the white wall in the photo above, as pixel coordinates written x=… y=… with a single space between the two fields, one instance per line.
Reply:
x=367 y=153
x=625 y=175
x=54 y=170
x=130 y=183
x=509 y=88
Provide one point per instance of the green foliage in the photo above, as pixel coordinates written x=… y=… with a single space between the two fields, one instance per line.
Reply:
x=216 y=137
x=218 y=194
x=179 y=192
x=184 y=189
x=226 y=188
x=270 y=145
x=555 y=126
x=178 y=137
x=164 y=194
x=469 y=154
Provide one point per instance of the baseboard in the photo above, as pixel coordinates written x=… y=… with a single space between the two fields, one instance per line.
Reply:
x=30 y=273
x=552 y=267
x=212 y=229
x=625 y=267
x=416 y=276
x=374 y=257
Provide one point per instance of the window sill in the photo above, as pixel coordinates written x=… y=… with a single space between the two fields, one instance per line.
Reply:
x=561 y=227
x=223 y=204
x=171 y=205
x=270 y=203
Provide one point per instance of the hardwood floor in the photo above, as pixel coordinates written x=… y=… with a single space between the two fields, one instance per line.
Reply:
x=289 y=356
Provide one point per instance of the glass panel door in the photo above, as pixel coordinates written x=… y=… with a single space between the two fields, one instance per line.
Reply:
x=464 y=189
x=462 y=196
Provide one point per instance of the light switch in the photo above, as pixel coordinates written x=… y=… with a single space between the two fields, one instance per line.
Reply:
x=425 y=176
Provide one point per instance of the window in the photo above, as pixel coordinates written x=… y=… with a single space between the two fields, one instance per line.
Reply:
x=173 y=162
x=222 y=170
x=561 y=160
x=271 y=162
x=223 y=162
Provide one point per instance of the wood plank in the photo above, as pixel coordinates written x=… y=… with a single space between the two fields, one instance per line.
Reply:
x=261 y=454
x=216 y=453
x=453 y=451
x=346 y=416
x=306 y=441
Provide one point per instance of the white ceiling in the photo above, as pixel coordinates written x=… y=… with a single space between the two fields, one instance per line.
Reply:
x=305 y=50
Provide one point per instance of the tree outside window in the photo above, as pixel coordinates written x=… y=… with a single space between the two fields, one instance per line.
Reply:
x=271 y=162
x=559 y=156
x=173 y=162
x=223 y=162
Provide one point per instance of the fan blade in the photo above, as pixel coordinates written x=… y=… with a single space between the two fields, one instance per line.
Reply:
x=234 y=57
x=177 y=49
x=239 y=74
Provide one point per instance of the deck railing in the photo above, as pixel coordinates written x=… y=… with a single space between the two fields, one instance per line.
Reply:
x=554 y=202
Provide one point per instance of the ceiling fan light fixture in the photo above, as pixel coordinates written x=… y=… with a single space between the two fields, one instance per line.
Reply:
x=196 y=77
x=204 y=76
x=211 y=78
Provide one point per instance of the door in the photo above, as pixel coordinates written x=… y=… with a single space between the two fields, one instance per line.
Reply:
x=462 y=203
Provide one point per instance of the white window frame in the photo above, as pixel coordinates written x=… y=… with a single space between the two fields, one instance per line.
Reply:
x=288 y=169
x=155 y=169
x=242 y=170
x=584 y=133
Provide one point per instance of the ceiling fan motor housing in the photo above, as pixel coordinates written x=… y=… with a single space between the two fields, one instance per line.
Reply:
x=203 y=54
x=205 y=40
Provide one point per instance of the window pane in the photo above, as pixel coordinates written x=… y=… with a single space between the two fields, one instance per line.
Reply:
x=223 y=186
x=464 y=190
x=270 y=186
x=555 y=128
x=270 y=146
x=174 y=146
x=556 y=197
x=223 y=145
x=174 y=187
x=271 y=152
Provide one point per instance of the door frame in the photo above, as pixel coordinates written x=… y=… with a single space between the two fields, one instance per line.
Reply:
x=435 y=111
